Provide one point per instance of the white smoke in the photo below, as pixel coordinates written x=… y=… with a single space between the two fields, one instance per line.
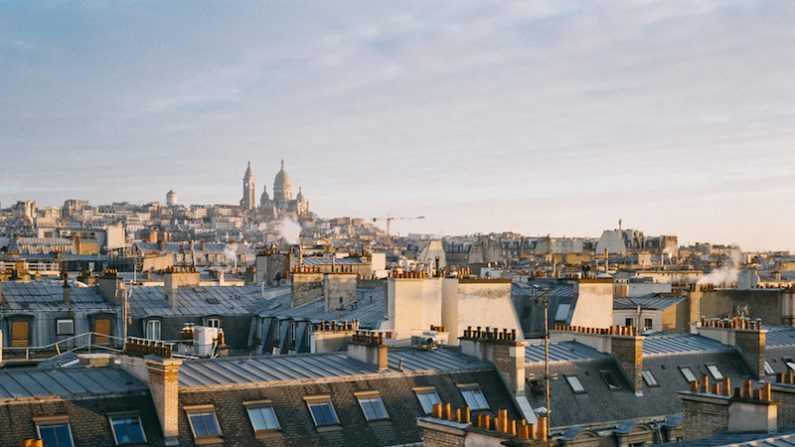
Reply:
x=230 y=253
x=725 y=275
x=289 y=230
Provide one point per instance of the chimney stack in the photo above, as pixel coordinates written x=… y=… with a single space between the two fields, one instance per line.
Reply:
x=67 y=292
x=746 y=334
x=369 y=347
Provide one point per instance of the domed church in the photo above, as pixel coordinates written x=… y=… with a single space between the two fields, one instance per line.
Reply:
x=282 y=202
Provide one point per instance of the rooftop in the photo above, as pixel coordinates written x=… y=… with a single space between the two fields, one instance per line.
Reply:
x=272 y=369
x=37 y=383
x=680 y=344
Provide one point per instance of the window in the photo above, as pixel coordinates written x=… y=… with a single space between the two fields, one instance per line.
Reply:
x=715 y=372
x=204 y=424
x=427 y=397
x=127 y=429
x=790 y=364
x=372 y=406
x=262 y=416
x=152 y=330
x=768 y=369
x=293 y=332
x=20 y=334
x=648 y=377
x=65 y=327
x=563 y=312
x=55 y=432
x=610 y=379
x=648 y=323
x=688 y=374
x=322 y=411
x=629 y=322
x=574 y=383
x=474 y=397
x=276 y=331
x=214 y=322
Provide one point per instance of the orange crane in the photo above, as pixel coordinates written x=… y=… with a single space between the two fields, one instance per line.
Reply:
x=389 y=218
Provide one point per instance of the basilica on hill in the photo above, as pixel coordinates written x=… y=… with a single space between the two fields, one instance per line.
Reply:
x=282 y=203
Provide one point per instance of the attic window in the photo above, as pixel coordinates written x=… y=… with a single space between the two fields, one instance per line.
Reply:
x=648 y=377
x=768 y=369
x=688 y=374
x=65 y=326
x=427 y=397
x=790 y=364
x=204 y=424
x=610 y=380
x=575 y=384
x=262 y=417
x=127 y=429
x=474 y=397
x=714 y=371
x=322 y=410
x=563 y=312
x=372 y=406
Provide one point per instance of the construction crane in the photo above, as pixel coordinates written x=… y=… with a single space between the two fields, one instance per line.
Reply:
x=389 y=218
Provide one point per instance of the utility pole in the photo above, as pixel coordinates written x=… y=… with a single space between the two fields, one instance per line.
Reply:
x=546 y=363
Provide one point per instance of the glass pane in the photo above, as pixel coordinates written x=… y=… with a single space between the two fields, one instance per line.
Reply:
x=128 y=430
x=715 y=372
x=204 y=424
x=373 y=408
x=575 y=384
x=427 y=400
x=323 y=413
x=768 y=369
x=263 y=418
x=689 y=376
x=648 y=377
x=475 y=399
x=56 y=435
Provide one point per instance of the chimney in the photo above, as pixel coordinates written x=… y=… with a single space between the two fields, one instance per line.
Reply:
x=67 y=292
x=175 y=278
x=501 y=348
x=713 y=411
x=163 y=379
x=369 y=347
x=628 y=352
x=745 y=334
x=623 y=342
x=108 y=286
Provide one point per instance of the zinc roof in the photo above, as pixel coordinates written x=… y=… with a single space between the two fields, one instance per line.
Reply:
x=779 y=336
x=680 y=344
x=32 y=383
x=288 y=368
x=369 y=309
x=653 y=302
x=48 y=296
x=202 y=300
x=565 y=351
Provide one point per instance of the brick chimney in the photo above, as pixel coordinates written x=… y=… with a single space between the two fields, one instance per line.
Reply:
x=67 y=292
x=745 y=334
x=164 y=388
x=623 y=342
x=710 y=411
x=369 y=347
x=175 y=278
x=108 y=284
x=501 y=348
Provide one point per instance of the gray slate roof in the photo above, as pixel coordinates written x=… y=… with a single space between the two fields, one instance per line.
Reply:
x=273 y=369
x=33 y=383
x=48 y=296
x=203 y=300
x=779 y=336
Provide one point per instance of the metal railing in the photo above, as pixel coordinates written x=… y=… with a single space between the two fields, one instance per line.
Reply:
x=86 y=341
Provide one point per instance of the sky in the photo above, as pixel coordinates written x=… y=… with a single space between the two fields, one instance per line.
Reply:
x=540 y=117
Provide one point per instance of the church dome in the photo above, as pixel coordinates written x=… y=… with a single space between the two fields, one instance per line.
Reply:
x=282 y=185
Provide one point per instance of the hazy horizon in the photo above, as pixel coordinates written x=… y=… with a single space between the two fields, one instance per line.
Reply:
x=540 y=117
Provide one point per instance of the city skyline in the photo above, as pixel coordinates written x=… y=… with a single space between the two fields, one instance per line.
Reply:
x=540 y=118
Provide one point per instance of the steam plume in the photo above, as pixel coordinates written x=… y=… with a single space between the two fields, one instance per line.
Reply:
x=289 y=230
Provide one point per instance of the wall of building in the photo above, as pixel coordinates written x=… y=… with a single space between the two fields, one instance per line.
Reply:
x=339 y=289
x=594 y=304
x=307 y=287
x=477 y=303
x=413 y=305
x=759 y=303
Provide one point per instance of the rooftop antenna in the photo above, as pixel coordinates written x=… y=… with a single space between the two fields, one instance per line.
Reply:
x=619 y=224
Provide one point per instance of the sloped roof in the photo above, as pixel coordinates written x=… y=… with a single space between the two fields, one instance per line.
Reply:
x=286 y=368
x=566 y=351
x=48 y=296
x=651 y=302
x=681 y=344
x=203 y=300
x=369 y=309
x=36 y=383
